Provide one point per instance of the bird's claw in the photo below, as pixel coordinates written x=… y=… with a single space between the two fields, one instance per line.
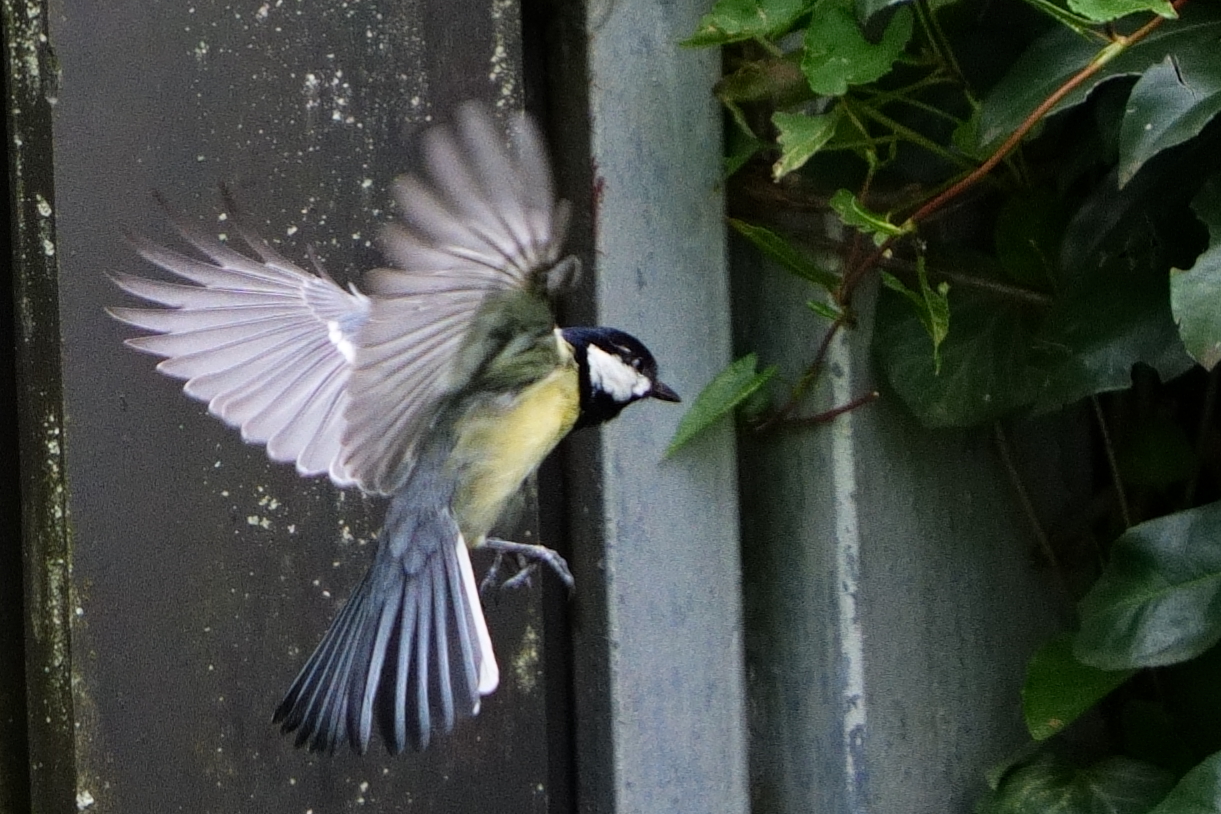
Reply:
x=528 y=558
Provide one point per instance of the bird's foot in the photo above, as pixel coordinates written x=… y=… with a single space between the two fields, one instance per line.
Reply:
x=528 y=558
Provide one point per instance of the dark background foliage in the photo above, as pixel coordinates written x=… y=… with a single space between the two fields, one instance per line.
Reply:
x=1038 y=186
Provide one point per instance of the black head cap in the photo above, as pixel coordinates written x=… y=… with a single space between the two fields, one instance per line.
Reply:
x=616 y=369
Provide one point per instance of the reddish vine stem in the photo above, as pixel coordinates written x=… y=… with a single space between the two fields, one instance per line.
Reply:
x=1039 y=113
x=827 y=415
x=856 y=270
x=806 y=378
x=852 y=277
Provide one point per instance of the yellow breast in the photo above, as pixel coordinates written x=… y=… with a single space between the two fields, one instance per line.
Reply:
x=502 y=442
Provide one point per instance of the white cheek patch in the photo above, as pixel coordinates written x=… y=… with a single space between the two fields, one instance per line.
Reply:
x=613 y=376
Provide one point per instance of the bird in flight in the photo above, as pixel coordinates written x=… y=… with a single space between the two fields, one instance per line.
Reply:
x=441 y=384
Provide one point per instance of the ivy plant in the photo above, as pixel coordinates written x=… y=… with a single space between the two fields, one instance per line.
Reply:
x=1082 y=136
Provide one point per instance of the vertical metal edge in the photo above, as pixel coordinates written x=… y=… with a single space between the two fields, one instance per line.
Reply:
x=669 y=648
x=46 y=541
x=558 y=28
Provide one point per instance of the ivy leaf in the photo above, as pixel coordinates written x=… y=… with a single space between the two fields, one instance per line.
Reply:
x=1194 y=293
x=777 y=81
x=1113 y=309
x=1104 y=11
x=986 y=367
x=865 y=9
x=741 y=154
x=731 y=387
x=854 y=213
x=1051 y=785
x=1058 y=56
x=825 y=310
x=736 y=20
x=1159 y=599
x=932 y=307
x=838 y=55
x=800 y=137
x=1199 y=792
x=783 y=252
x=1171 y=103
x=1109 y=311
x=1059 y=688
x=1110 y=319
x=1077 y=23
x=965 y=138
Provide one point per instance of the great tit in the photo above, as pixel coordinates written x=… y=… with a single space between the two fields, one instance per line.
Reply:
x=442 y=385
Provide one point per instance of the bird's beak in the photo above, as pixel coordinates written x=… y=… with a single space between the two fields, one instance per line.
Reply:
x=663 y=392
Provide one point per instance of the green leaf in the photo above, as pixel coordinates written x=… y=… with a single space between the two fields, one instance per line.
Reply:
x=1008 y=355
x=740 y=148
x=1051 y=785
x=965 y=138
x=731 y=387
x=784 y=253
x=1195 y=293
x=825 y=310
x=800 y=137
x=777 y=81
x=1114 y=307
x=838 y=55
x=1171 y=103
x=865 y=9
x=736 y=20
x=1080 y=25
x=1059 y=688
x=1102 y=324
x=932 y=307
x=1199 y=792
x=1104 y=11
x=853 y=213
x=1159 y=599
x=1055 y=58
x=986 y=367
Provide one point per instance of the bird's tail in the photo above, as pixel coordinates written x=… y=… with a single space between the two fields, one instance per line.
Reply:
x=409 y=651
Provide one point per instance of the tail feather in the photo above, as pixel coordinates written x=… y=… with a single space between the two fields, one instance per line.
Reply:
x=409 y=653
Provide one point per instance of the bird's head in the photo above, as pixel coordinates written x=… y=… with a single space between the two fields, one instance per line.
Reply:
x=616 y=369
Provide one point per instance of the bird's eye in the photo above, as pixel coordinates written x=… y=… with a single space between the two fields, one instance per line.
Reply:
x=636 y=364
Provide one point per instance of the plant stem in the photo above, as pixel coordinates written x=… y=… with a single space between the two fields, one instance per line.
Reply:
x=807 y=378
x=1099 y=62
x=854 y=273
x=1015 y=478
x=915 y=137
x=930 y=81
x=941 y=43
x=932 y=110
x=835 y=412
x=769 y=46
x=1120 y=494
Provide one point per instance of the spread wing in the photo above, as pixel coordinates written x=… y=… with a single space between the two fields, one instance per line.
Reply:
x=334 y=380
x=484 y=221
x=260 y=339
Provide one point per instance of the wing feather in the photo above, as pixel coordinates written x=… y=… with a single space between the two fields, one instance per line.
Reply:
x=482 y=221
x=335 y=380
x=258 y=338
